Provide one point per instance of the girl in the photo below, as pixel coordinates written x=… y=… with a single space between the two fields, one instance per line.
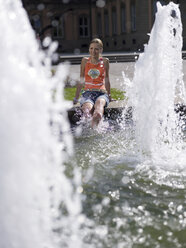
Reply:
x=94 y=77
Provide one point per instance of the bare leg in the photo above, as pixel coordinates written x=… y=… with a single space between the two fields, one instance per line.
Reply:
x=98 y=111
x=87 y=109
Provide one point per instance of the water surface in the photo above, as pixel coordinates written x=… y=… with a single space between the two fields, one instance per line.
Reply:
x=129 y=201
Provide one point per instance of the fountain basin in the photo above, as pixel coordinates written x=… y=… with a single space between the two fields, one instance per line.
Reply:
x=115 y=111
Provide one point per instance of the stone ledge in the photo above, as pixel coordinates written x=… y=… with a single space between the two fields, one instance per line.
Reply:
x=113 y=111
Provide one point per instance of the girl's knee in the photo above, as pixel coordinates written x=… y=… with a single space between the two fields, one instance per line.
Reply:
x=100 y=102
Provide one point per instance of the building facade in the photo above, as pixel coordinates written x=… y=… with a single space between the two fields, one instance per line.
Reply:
x=123 y=25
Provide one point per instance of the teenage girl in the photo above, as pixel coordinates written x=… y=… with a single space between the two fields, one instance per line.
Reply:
x=94 y=77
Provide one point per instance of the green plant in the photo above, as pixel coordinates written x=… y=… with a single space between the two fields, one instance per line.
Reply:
x=69 y=93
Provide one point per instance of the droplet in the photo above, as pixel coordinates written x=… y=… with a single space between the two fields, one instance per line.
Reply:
x=100 y=3
x=179 y=208
x=41 y=7
x=77 y=51
x=125 y=180
x=47 y=41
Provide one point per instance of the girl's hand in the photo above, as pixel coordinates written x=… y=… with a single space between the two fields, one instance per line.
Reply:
x=75 y=100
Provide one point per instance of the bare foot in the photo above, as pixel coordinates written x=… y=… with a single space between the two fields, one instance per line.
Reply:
x=96 y=119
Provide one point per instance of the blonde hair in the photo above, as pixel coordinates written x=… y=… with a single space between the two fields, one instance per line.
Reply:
x=98 y=41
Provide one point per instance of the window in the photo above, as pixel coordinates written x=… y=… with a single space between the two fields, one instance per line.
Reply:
x=106 y=23
x=83 y=27
x=133 y=17
x=133 y=41
x=123 y=19
x=36 y=23
x=58 y=26
x=99 y=25
x=114 y=21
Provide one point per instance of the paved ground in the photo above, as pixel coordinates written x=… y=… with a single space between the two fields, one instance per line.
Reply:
x=116 y=70
x=116 y=73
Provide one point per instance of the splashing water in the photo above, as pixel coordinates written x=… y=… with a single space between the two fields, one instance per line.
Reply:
x=32 y=181
x=132 y=195
x=134 y=178
x=158 y=85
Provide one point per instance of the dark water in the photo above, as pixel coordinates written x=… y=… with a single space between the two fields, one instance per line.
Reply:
x=129 y=200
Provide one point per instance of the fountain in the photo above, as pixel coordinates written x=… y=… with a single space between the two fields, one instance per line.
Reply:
x=158 y=85
x=33 y=184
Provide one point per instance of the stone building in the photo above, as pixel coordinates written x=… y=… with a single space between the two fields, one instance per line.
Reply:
x=123 y=25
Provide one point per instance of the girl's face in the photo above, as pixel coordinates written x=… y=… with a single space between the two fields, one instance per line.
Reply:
x=95 y=50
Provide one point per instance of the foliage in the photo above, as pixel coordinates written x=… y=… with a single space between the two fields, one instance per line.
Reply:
x=69 y=93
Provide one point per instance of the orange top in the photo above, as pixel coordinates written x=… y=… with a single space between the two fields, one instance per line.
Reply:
x=95 y=75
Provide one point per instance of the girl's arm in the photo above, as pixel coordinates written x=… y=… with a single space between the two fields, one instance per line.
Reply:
x=107 y=80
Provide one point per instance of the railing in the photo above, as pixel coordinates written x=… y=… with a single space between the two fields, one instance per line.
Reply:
x=113 y=57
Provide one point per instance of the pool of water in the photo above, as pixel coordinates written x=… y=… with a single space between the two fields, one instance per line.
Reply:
x=134 y=173
x=129 y=199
